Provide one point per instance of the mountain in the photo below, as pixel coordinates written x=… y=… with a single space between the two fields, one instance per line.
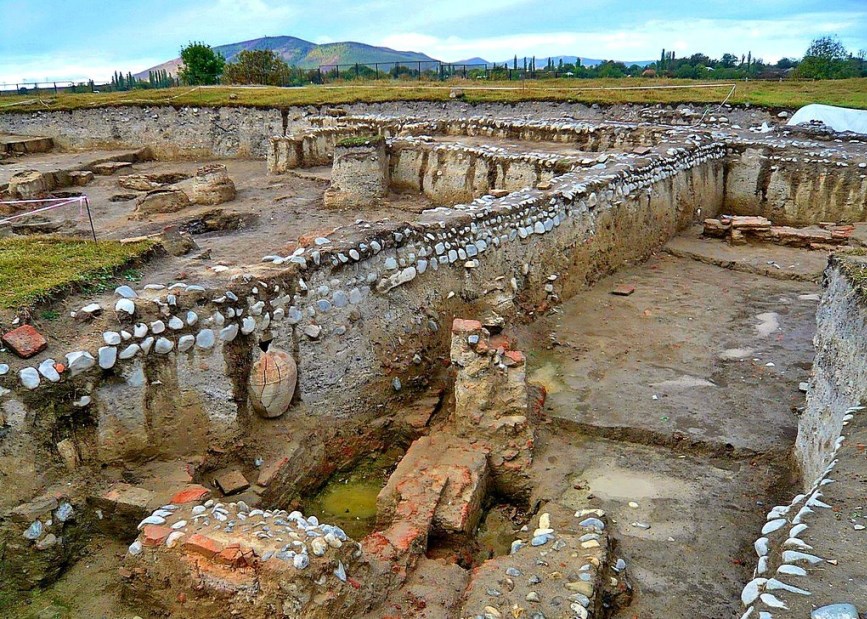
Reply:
x=306 y=55
x=473 y=60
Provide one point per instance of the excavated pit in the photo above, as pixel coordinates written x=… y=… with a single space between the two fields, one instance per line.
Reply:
x=672 y=405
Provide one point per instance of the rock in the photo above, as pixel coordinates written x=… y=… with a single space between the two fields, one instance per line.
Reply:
x=25 y=341
x=126 y=292
x=111 y=338
x=80 y=178
x=456 y=93
x=48 y=369
x=161 y=201
x=107 y=356
x=272 y=382
x=125 y=307
x=227 y=334
x=312 y=331
x=835 y=611
x=185 y=343
x=30 y=184
x=108 y=168
x=79 y=361
x=212 y=185
x=149 y=182
x=69 y=453
x=177 y=243
x=29 y=378
x=205 y=339
x=163 y=346
x=232 y=482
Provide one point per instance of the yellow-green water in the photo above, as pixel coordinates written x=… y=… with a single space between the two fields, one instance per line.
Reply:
x=349 y=499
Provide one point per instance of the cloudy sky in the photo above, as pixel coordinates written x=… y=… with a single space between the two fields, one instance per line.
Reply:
x=78 y=39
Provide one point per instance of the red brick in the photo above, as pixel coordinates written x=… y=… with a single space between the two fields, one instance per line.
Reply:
x=193 y=492
x=201 y=545
x=154 y=534
x=270 y=470
x=25 y=341
x=466 y=326
x=623 y=290
x=514 y=357
x=232 y=482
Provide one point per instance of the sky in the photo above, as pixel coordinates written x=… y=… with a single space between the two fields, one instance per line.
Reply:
x=46 y=40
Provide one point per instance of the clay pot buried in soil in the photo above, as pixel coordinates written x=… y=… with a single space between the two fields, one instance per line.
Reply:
x=272 y=383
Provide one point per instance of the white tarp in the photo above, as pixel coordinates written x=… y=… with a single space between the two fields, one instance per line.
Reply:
x=837 y=118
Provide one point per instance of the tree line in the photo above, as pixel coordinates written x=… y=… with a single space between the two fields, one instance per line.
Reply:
x=825 y=58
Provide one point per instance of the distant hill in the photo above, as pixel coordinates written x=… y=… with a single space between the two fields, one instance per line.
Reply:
x=474 y=60
x=306 y=55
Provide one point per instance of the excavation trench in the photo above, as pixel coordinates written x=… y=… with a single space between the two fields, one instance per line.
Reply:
x=671 y=406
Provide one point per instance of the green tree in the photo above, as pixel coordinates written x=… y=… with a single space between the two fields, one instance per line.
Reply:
x=257 y=66
x=201 y=64
x=826 y=58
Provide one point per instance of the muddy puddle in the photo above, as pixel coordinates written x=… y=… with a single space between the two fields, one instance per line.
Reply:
x=348 y=499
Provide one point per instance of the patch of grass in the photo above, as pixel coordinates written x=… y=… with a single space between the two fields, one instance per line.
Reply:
x=49 y=315
x=35 y=268
x=784 y=94
x=360 y=140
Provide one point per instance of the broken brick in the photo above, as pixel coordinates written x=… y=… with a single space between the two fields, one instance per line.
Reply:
x=25 y=341
x=623 y=290
x=232 y=482
x=154 y=534
x=202 y=545
x=466 y=326
x=193 y=492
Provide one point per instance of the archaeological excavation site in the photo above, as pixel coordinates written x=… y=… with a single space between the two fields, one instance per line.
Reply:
x=439 y=360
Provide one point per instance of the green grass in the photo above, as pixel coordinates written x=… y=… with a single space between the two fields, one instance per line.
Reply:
x=34 y=269
x=785 y=94
x=360 y=140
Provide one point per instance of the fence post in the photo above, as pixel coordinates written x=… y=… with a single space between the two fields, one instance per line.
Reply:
x=357 y=75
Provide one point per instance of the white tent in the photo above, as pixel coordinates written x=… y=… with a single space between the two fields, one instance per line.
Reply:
x=837 y=118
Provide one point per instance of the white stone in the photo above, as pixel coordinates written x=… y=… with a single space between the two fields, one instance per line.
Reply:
x=107 y=357
x=175 y=323
x=227 y=334
x=29 y=378
x=48 y=371
x=126 y=292
x=79 y=361
x=163 y=346
x=248 y=325
x=205 y=339
x=112 y=338
x=185 y=342
x=130 y=351
x=125 y=306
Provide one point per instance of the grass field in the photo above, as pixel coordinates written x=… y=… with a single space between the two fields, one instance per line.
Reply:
x=786 y=94
x=36 y=268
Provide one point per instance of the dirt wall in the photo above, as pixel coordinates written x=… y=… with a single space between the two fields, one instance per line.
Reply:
x=840 y=369
x=793 y=188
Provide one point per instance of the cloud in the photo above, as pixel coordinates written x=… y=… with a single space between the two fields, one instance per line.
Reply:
x=770 y=39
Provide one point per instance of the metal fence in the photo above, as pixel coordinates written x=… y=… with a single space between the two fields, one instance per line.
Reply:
x=72 y=86
x=431 y=70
